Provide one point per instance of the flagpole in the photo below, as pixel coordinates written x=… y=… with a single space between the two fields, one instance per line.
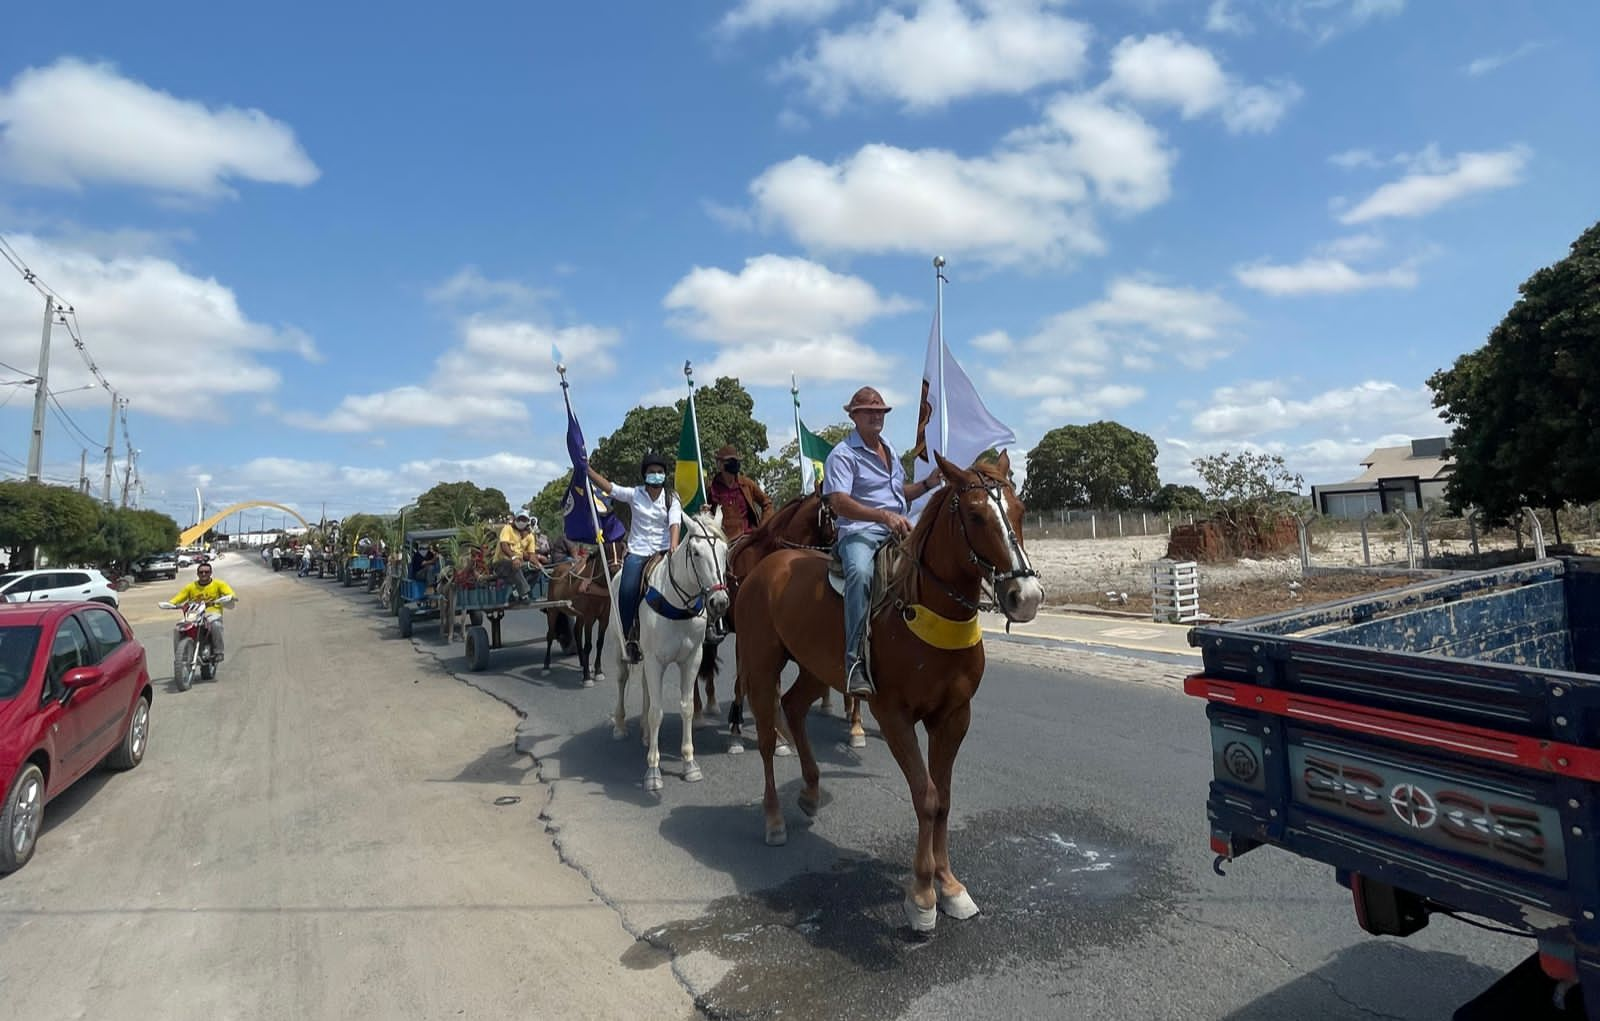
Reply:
x=938 y=315
x=799 y=442
x=588 y=491
x=694 y=421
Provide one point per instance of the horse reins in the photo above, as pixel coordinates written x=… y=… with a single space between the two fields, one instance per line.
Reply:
x=993 y=488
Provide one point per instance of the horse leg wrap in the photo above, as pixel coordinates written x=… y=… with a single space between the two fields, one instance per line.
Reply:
x=960 y=905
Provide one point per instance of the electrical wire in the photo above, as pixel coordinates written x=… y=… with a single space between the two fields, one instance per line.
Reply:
x=72 y=423
x=65 y=314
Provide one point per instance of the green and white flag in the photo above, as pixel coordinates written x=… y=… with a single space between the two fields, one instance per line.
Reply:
x=814 y=452
x=689 y=479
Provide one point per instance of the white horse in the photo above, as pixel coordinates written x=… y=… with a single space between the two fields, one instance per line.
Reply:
x=683 y=591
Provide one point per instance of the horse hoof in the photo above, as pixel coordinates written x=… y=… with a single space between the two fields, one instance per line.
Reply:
x=959 y=906
x=652 y=778
x=858 y=740
x=777 y=836
x=810 y=806
x=599 y=677
x=692 y=774
x=619 y=733
x=919 y=918
x=588 y=682
x=783 y=750
x=736 y=747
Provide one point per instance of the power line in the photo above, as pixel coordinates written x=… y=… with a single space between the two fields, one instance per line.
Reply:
x=71 y=423
x=66 y=314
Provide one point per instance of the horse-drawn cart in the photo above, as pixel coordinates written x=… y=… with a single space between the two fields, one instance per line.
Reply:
x=485 y=607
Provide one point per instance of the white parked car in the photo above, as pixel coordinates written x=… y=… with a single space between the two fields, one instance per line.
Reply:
x=57 y=585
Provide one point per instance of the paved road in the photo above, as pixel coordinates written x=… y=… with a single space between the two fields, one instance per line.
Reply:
x=1078 y=825
x=315 y=835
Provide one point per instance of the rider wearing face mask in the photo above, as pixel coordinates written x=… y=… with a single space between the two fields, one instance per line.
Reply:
x=657 y=519
x=744 y=504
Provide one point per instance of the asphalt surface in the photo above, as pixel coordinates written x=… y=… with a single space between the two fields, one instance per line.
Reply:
x=1078 y=825
x=332 y=829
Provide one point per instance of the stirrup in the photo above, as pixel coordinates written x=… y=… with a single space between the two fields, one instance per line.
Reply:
x=858 y=682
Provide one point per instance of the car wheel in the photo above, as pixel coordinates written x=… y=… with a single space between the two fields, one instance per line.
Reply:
x=131 y=751
x=21 y=818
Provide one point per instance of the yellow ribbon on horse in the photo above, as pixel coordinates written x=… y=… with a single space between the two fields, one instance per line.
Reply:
x=942 y=632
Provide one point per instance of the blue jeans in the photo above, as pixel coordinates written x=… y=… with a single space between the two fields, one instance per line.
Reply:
x=632 y=588
x=857 y=551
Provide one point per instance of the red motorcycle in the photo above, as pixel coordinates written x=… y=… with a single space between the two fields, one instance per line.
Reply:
x=194 y=656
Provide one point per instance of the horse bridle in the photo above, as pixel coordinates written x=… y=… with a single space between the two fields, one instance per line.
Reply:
x=690 y=598
x=995 y=492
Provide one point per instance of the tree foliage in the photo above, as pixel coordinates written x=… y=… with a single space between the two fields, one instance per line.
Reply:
x=1523 y=406
x=724 y=410
x=1248 y=484
x=779 y=474
x=547 y=505
x=1175 y=499
x=69 y=527
x=1104 y=465
x=452 y=504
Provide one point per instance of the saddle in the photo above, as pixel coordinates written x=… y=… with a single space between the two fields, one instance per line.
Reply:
x=891 y=569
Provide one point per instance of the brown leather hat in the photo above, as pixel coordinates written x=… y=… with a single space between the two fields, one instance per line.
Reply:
x=866 y=399
x=727 y=453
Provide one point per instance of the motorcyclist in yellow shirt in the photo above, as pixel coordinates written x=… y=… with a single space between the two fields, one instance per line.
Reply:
x=216 y=594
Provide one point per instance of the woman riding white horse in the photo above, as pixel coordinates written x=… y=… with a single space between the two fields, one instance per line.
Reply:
x=684 y=590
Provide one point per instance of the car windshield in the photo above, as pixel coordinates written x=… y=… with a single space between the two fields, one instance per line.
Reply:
x=17 y=646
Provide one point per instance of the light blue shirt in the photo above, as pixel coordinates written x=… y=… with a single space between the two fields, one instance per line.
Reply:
x=852 y=468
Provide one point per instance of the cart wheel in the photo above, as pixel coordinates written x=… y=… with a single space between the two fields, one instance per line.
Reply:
x=475 y=617
x=477 y=648
x=345 y=579
x=405 y=622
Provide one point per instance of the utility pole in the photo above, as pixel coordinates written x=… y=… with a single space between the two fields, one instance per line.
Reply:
x=41 y=393
x=111 y=443
x=127 y=475
x=83 y=472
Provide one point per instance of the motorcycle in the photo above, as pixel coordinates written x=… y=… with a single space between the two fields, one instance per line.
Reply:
x=194 y=649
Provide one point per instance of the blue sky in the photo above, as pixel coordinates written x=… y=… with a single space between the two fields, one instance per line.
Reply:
x=324 y=252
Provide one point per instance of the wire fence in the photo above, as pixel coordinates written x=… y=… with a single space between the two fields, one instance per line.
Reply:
x=1423 y=540
x=1100 y=524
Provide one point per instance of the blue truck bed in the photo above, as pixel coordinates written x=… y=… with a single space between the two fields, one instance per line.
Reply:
x=1438 y=744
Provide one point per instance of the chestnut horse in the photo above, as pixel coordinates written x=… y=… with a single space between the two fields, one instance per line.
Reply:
x=803 y=523
x=585 y=585
x=926 y=655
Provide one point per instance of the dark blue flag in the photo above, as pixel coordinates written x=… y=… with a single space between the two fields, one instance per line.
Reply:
x=576 y=519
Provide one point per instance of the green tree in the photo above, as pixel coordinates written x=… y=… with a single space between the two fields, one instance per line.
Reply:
x=1104 y=465
x=779 y=474
x=547 y=505
x=1176 y=499
x=59 y=521
x=1248 y=484
x=724 y=410
x=1523 y=406
x=450 y=504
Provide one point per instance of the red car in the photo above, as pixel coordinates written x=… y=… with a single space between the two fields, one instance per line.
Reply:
x=74 y=692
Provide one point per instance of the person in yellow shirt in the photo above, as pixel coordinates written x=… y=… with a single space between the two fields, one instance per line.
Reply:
x=516 y=555
x=216 y=594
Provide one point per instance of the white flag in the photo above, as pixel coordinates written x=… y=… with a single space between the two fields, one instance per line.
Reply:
x=961 y=427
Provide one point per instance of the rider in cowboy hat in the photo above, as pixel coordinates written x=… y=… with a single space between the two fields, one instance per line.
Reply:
x=656 y=522
x=865 y=486
x=744 y=504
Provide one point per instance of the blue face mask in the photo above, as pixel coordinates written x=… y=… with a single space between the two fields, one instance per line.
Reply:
x=655 y=478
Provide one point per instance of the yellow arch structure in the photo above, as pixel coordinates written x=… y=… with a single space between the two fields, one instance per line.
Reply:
x=189 y=535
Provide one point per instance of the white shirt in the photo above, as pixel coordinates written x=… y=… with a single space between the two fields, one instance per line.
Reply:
x=651 y=518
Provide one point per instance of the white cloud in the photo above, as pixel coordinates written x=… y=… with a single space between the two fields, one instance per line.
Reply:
x=1136 y=326
x=1350 y=159
x=1322 y=19
x=993 y=342
x=1165 y=70
x=305 y=483
x=774 y=296
x=1030 y=200
x=758 y=14
x=1321 y=276
x=1251 y=410
x=1221 y=17
x=74 y=123
x=944 y=50
x=470 y=285
x=146 y=322
x=1495 y=61
x=1435 y=182
x=480 y=382
x=781 y=315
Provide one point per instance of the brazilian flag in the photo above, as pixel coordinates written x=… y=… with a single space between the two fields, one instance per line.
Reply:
x=689 y=479
x=814 y=452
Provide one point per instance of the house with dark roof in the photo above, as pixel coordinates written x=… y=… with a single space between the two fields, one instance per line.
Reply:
x=1395 y=478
